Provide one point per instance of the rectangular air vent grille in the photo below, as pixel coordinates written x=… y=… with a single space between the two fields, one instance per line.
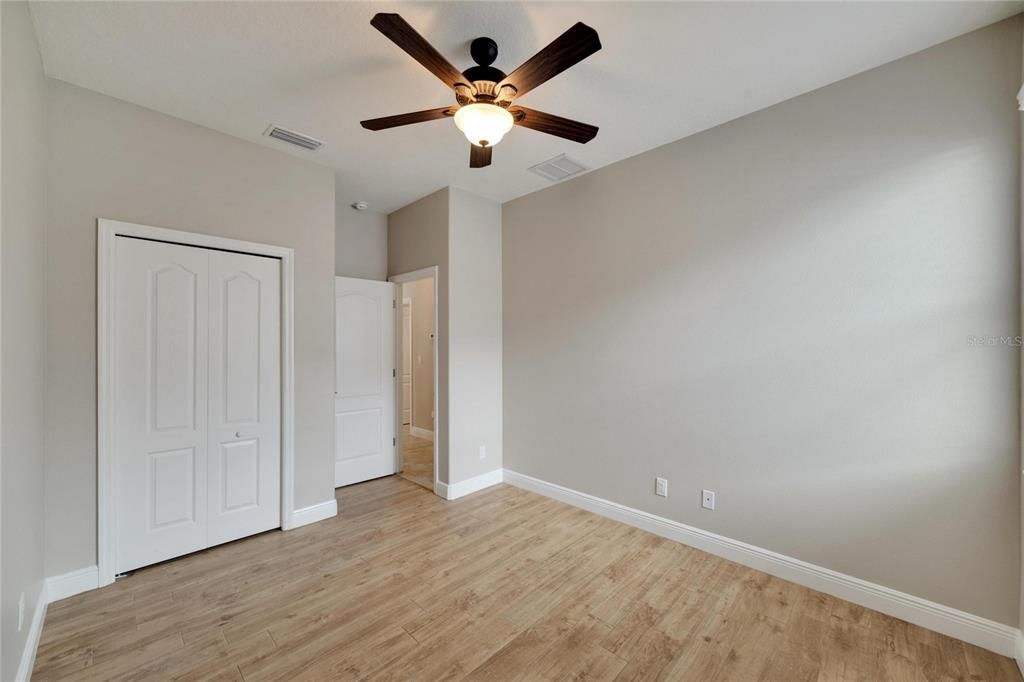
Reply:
x=292 y=137
x=558 y=168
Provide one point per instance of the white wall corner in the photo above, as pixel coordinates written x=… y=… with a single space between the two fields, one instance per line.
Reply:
x=69 y=584
x=28 y=654
x=453 y=491
x=441 y=489
x=314 y=513
x=1004 y=640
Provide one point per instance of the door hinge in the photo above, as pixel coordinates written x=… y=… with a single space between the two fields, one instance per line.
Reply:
x=394 y=303
x=393 y=375
x=394 y=442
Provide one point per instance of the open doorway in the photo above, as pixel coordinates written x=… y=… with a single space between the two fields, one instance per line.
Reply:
x=416 y=394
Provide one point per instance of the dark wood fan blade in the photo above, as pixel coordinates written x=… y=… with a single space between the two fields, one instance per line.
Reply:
x=405 y=36
x=405 y=119
x=570 y=48
x=553 y=125
x=479 y=156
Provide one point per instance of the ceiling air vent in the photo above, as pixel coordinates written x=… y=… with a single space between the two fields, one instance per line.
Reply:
x=558 y=168
x=292 y=137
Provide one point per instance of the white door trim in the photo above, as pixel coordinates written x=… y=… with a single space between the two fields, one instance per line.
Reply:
x=412 y=377
x=107 y=231
x=422 y=273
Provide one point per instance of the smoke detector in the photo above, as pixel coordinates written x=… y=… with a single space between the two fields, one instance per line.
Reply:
x=360 y=205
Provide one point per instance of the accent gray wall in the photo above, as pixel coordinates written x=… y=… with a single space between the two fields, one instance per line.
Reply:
x=779 y=309
x=360 y=242
x=111 y=159
x=461 y=233
x=418 y=238
x=23 y=365
x=475 y=329
x=1020 y=659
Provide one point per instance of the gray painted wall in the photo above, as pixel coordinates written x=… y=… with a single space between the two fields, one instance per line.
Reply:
x=23 y=365
x=360 y=242
x=779 y=309
x=475 y=416
x=418 y=238
x=112 y=159
x=1021 y=611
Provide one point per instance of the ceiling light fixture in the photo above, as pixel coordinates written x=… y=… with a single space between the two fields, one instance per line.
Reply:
x=483 y=124
x=486 y=94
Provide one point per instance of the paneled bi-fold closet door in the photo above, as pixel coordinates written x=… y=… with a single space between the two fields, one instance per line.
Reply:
x=197 y=399
x=245 y=396
x=161 y=313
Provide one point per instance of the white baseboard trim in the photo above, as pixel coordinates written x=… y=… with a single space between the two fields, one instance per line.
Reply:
x=453 y=491
x=69 y=584
x=421 y=433
x=35 y=630
x=987 y=634
x=314 y=513
x=1019 y=653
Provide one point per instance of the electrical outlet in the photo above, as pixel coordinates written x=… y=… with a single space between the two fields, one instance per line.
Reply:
x=707 y=499
x=483 y=452
x=661 y=487
x=21 y=611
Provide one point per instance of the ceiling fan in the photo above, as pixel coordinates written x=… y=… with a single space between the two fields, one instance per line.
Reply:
x=485 y=94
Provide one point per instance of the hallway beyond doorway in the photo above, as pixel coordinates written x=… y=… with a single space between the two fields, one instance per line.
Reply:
x=417 y=459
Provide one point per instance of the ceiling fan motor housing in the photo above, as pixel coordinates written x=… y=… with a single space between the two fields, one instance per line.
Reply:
x=483 y=76
x=483 y=51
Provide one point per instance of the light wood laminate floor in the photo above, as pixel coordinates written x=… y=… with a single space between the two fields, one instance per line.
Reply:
x=417 y=459
x=499 y=585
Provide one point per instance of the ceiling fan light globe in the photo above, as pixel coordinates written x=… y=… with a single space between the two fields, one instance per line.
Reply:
x=483 y=124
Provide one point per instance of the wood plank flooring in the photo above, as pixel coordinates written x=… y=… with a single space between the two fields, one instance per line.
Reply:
x=499 y=585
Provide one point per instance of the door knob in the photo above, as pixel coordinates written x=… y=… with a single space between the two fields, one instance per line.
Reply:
x=238 y=434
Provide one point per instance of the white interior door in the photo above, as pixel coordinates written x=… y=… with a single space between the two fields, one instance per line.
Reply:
x=244 y=473
x=160 y=442
x=406 y=363
x=197 y=398
x=364 y=380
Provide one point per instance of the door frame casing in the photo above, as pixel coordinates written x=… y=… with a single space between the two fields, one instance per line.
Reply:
x=429 y=272
x=106 y=235
x=412 y=378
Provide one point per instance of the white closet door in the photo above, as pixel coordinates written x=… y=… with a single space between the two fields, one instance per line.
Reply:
x=245 y=396
x=160 y=443
x=364 y=383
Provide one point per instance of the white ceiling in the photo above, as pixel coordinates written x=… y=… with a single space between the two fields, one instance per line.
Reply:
x=667 y=70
